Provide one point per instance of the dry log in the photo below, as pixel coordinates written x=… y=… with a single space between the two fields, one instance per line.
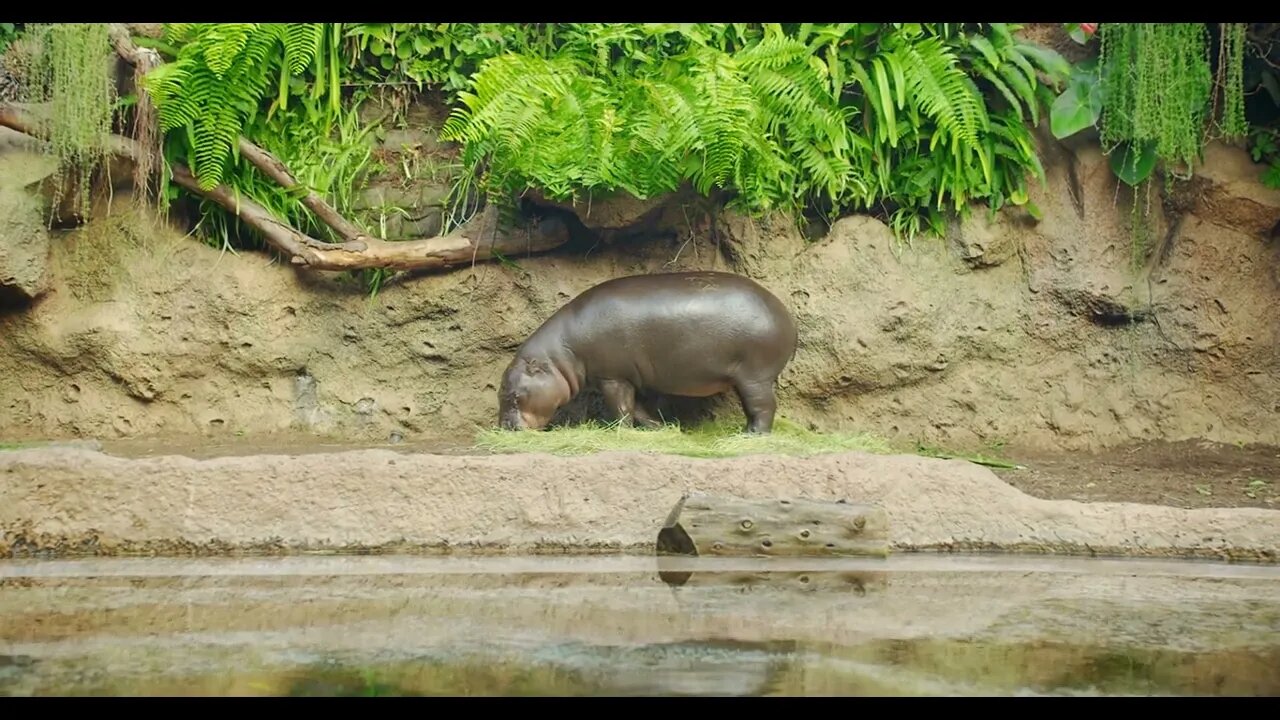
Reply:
x=482 y=238
x=702 y=525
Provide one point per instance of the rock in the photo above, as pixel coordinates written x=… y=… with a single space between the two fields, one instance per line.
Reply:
x=150 y=30
x=1227 y=191
x=982 y=241
x=415 y=200
x=410 y=140
x=24 y=246
x=1083 y=251
x=614 y=212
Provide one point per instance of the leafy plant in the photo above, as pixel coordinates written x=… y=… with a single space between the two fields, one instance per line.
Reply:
x=327 y=155
x=434 y=54
x=8 y=33
x=214 y=87
x=839 y=116
x=1265 y=149
x=1148 y=93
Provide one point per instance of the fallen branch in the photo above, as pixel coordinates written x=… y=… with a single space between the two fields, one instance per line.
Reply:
x=481 y=238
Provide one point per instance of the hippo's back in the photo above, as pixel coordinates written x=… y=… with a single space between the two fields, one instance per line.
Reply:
x=668 y=320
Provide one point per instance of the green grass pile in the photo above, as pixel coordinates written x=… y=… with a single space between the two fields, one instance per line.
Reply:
x=722 y=438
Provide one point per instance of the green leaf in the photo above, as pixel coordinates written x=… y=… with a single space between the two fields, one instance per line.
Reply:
x=1271 y=178
x=1072 y=113
x=1048 y=60
x=988 y=50
x=1133 y=166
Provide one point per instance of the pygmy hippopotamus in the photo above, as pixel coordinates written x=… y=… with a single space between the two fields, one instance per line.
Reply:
x=691 y=334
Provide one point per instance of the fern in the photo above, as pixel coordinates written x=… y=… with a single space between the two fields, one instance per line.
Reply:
x=215 y=85
x=841 y=115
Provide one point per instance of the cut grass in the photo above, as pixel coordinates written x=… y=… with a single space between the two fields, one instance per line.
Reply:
x=709 y=440
x=717 y=439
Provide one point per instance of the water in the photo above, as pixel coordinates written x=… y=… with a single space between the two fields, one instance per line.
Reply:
x=376 y=625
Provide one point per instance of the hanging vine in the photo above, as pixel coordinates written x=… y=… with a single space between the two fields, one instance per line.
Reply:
x=1158 y=86
x=1156 y=96
x=71 y=72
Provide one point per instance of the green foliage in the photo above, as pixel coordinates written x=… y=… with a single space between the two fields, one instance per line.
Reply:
x=213 y=89
x=434 y=54
x=1265 y=149
x=1158 y=85
x=325 y=154
x=1149 y=93
x=8 y=33
x=70 y=72
x=1157 y=93
x=834 y=116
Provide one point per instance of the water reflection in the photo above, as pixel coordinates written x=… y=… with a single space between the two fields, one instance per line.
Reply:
x=644 y=628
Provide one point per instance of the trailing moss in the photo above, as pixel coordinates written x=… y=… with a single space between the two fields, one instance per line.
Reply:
x=71 y=72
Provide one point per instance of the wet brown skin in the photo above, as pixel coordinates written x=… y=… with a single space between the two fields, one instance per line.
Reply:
x=689 y=334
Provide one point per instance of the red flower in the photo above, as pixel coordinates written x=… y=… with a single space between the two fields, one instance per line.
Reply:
x=1089 y=28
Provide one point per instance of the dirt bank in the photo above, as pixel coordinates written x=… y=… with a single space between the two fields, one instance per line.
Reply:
x=1010 y=331
x=69 y=501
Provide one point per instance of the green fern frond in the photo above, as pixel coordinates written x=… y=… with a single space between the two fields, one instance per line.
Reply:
x=987 y=73
x=1025 y=87
x=301 y=43
x=985 y=47
x=942 y=90
x=223 y=42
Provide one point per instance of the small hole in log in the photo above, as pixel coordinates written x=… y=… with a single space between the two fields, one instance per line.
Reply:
x=747 y=524
x=717 y=546
x=831 y=545
x=766 y=542
x=804 y=579
x=785 y=502
x=804 y=533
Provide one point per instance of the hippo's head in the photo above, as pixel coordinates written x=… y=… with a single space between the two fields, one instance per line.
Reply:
x=532 y=390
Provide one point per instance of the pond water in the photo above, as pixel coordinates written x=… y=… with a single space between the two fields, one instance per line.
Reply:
x=383 y=625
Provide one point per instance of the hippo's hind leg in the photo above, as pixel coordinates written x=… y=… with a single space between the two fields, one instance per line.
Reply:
x=620 y=396
x=758 y=403
x=642 y=416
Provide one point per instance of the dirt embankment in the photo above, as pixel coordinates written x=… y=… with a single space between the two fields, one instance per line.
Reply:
x=1031 y=334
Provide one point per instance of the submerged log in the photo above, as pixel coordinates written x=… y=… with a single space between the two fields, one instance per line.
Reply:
x=705 y=525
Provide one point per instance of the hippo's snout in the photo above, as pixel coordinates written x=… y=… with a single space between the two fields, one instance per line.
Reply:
x=511 y=421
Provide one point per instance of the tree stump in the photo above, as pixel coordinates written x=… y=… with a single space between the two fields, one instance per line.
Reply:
x=705 y=525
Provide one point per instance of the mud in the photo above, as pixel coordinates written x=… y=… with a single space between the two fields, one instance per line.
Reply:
x=612 y=626
x=1191 y=474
